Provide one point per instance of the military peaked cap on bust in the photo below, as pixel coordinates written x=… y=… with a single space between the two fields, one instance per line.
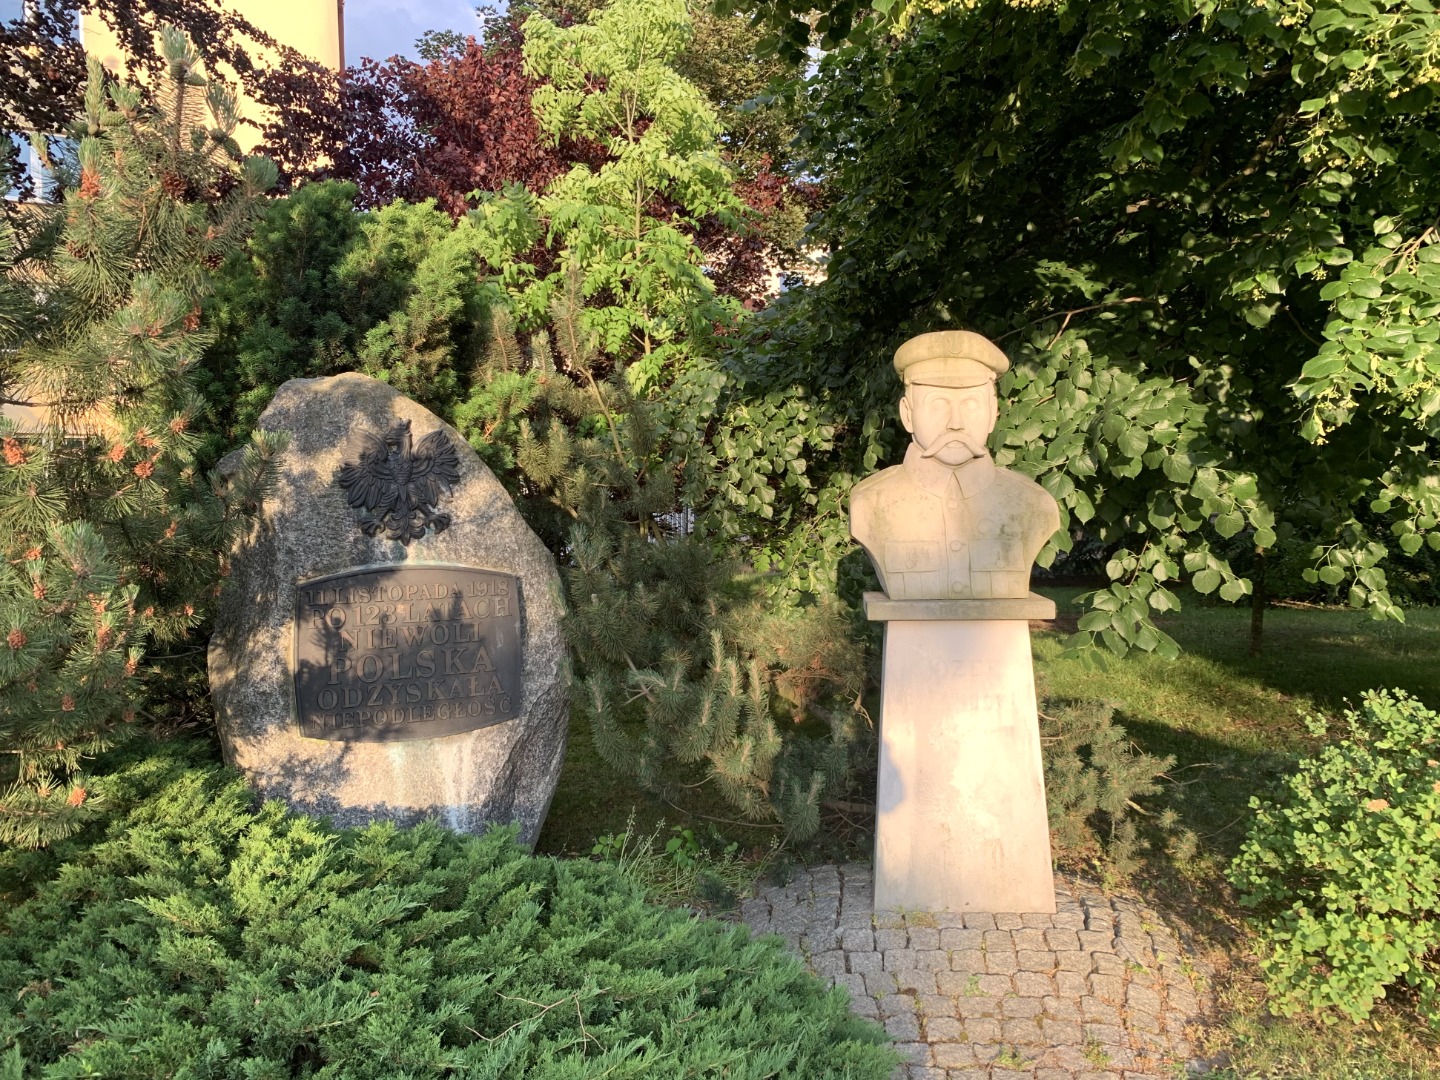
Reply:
x=950 y=358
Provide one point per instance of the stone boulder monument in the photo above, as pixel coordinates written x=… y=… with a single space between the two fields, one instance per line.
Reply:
x=961 y=822
x=388 y=645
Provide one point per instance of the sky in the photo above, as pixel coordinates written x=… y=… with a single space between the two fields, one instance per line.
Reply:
x=382 y=28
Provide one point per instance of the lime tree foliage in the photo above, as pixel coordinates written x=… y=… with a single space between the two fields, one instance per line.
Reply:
x=1340 y=866
x=110 y=537
x=1205 y=232
x=200 y=937
x=683 y=674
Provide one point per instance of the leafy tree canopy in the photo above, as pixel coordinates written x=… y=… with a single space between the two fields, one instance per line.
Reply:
x=464 y=122
x=1207 y=235
x=623 y=223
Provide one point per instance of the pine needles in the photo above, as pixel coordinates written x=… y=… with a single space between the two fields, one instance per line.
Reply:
x=681 y=677
x=110 y=537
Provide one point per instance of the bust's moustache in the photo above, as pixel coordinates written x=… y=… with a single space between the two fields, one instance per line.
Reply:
x=976 y=449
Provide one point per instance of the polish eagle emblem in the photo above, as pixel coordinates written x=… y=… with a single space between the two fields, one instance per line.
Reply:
x=396 y=484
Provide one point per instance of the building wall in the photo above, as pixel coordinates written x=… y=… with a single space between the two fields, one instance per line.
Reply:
x=314 y=27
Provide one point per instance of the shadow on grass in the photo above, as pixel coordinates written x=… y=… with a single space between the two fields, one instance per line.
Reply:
x=593 y=800
x=1325 y=655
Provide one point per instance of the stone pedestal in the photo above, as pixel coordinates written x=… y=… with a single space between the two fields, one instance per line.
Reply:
x=961 y=822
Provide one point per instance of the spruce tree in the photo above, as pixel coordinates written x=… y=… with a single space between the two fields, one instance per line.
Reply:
x=109 y=537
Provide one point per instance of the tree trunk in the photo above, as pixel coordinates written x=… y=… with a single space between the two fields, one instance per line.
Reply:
x=1258 y=600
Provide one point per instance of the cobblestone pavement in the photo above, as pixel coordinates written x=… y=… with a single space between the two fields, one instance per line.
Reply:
x=1101 y=990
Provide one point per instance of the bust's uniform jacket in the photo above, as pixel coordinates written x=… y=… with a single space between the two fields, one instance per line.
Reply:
x=938 y=532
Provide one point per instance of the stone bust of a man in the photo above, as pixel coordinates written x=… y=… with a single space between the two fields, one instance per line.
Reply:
x=948 y=523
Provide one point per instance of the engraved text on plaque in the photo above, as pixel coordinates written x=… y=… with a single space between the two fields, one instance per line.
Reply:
x=406 y=652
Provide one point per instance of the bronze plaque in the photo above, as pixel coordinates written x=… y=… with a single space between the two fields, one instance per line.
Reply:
x=406 y=652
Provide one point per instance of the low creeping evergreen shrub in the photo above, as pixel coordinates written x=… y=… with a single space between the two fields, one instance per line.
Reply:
x=1342 y=870
x=200 y=938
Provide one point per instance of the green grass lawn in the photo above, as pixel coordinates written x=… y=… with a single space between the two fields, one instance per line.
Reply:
x=1233 y=724
x=1231 y=720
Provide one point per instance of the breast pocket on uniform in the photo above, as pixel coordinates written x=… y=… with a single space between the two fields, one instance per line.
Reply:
x=911 y=557
x=1002 y=553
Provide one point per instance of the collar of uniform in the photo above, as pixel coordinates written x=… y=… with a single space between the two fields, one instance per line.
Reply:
x=974 y=476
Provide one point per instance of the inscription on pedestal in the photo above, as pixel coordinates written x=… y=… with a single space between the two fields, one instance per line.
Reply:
x=406 y=652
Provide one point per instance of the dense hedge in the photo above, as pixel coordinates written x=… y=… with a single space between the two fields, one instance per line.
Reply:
x=200 y=938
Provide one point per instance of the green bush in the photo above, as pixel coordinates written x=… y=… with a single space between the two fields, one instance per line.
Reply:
x=1342 y=870
x=201 y=938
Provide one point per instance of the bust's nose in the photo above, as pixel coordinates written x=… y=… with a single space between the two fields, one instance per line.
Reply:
x=955 y=420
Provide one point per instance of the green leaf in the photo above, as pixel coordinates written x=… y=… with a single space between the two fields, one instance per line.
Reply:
x=1178 y=469
x=1206 y=581
x=1133 y=442
x=1228 y=524
x=1115 y=642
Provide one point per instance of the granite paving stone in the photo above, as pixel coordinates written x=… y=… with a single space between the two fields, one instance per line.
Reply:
x=1000 y=962
x=957 y=939
x=934 y=1005
x=994 y=985
x=1077 y=961
x=972 y=960
x=954 y=1055
x=945 y=1029
x=1028 y=938
x=1101 y=990
x=923 y=938
x=1059 y=938
x=916 y=980
x=1036 y=960
x=1034 y=984
x=973 y=1006
x=1103 y=962
x=1018 y=1008
x=1061 y=1008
